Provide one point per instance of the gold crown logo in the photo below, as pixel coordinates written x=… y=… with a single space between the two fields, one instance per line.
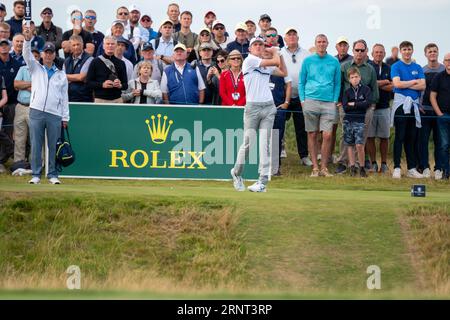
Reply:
x=158 y=132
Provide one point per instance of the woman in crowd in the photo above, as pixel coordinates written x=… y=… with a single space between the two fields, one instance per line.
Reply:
x=143 y=90
x=213 y=77
x=232 y=88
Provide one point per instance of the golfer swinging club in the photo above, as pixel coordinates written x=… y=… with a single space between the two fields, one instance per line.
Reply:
x=259 y=112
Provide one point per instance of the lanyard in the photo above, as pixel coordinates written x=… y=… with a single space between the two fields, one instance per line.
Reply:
x=235 y=83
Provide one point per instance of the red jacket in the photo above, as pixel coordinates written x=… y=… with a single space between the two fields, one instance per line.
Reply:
x=227 y=88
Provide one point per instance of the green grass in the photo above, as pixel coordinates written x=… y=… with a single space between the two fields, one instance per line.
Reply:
x=305 y=238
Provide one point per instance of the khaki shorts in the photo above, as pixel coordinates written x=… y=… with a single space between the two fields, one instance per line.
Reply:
x=380 y=125
x=319 y=115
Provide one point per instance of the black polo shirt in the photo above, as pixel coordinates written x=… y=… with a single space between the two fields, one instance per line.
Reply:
x=441 y=85
x=8 y=70
x=383 y=73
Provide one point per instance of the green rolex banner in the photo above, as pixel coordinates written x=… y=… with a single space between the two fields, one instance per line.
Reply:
x=127 y=141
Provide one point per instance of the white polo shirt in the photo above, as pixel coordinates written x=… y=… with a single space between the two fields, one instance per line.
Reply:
x=294 y=69
x=257 y=80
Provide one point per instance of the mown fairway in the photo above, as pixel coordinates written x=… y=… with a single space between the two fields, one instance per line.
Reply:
x=304 y=238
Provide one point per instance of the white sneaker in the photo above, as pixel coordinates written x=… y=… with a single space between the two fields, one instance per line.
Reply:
x=413 y=173
x=283 y=153
x=397 y=173
x=438 y=175
x=257 y=187
x=54 y=181
x=427 y=173
x=306 y=162
x=34 y=180
x=238 y=182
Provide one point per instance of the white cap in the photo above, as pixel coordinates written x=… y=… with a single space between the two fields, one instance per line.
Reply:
x=342 y=39
x=290 y=29
x=256 y=39
x=165 y=22
x=216 y=22
x=179 y=46
x=133 y=7
x=240 y=26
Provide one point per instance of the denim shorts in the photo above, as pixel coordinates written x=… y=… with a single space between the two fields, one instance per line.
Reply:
x=353 y=133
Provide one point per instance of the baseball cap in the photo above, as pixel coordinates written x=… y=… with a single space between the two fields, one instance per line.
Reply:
x=2 y=7
x=166 y=22
x=240 y=26
x=250 y=21
x=342 y=39
x=46 y=9
x=205 y=29
x=35 y=49
x=265 y=16
x=179 y=46
x=147 y=46
x=217 y=22
x=256 y=39
x=133 y=7
x=117 y=22
x=2 y=41
x=148 y=16
x=290 y=29
x=49 y=46
x=205 y=45
x=122 y=40
x=210 y=12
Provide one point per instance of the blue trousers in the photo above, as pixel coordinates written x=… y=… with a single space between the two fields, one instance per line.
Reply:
x=40 y=122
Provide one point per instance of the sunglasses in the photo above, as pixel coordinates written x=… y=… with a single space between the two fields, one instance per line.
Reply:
x=221 y=60
x=272 y=35
x=77 y=18
x=219 y=28
x=293 y=59
x=90 y=17
x=204 y=34
x=145 y=20
x=123 y=13
x=360 y=50
x=47 y=13
x=235 y=58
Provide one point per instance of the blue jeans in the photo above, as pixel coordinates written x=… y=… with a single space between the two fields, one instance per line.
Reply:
x=429 y=124
x=40 y=122
x=443 y=124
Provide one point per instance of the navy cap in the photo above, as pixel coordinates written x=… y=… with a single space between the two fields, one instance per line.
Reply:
x=2 y=7
x=2 y=41
x=35 y=49
x=49 y=46
x=122 y=40
x=265 y=16
x=147 y=46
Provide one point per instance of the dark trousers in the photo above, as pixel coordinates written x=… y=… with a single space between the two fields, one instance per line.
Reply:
x=429 y=124
x=405 y=136
x=6 y=133
x=280 y=125
x=299 y=125
x=443 y=124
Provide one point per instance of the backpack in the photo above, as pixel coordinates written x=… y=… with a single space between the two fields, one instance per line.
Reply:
x=157 y=40
x=65 y=155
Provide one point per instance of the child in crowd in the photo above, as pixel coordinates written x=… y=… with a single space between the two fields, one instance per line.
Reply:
x=355 y=101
